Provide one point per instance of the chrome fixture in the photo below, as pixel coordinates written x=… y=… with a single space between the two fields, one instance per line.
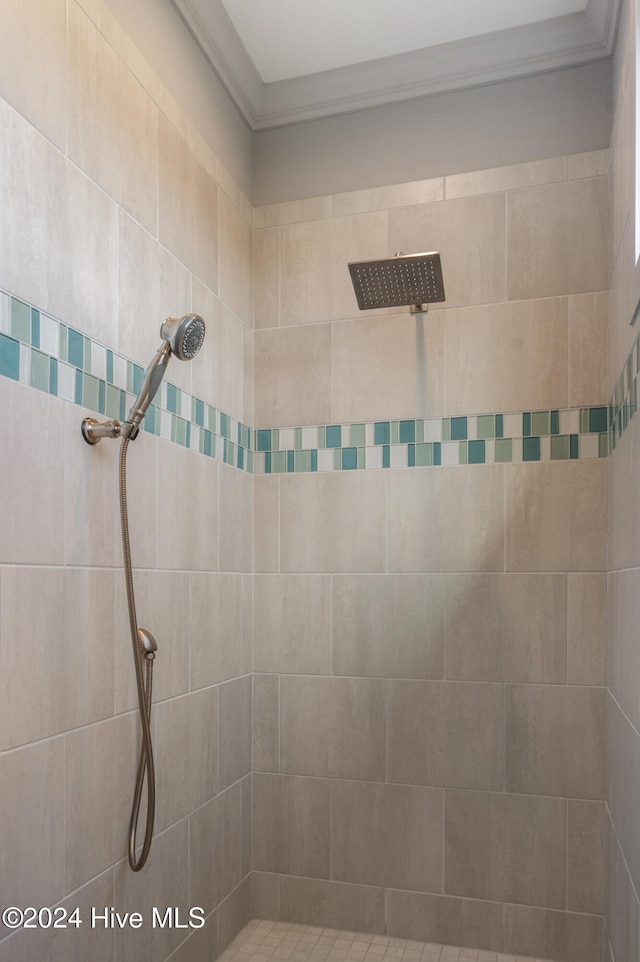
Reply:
x=406 y=279
x=182 y=337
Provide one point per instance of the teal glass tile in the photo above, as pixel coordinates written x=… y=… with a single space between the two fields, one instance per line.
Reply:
x=137 y=376
x=574 y=451
x=462 y=452
x=531 y=449
x=407 y=433
x=39 y=374
x=187 y=440
x=149 y=421
x=313 y=457
x=297 y=439
x=302 y=461
x=446 y=429
x=603 y=446
x=78 y=390
x=526 y=424
x=386 y=455
x=486 y=426
x=110 y=367
x=290 y=462
x=500 y=426
x=395 y=432
x=9 y=357
x=172 y=398
x=263 y=440
x=225 y=428
x=53 y=376
x=322 y=436
x=541 y=423
x=20 y=321
x=437 y=453
x=555 y=422
x=241 y=458
x=349 y=459
x=75 y=353
x=411 y=455
x=333 y=436
x=477 y=452
x=357 y=435
x=249 y=462
x=584 y=420
x=278 y=462
x=424 y=455
x=598 y=419
x=560 y=447
x=504 y=452
x=35 y=327
x=381 y=432
x=62 y=338
x=458 y=429
x=198 y=411
x=123 y=405
x=208 y=443
x=86 y=361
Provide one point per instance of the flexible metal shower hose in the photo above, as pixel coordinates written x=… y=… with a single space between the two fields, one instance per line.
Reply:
x=144 y=683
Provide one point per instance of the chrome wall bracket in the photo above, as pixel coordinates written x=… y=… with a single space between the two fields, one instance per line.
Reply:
x=94 y=431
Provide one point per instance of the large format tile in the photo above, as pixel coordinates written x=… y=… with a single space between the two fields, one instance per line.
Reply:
x=588 y=317
x=585 y=856
x=555 y=739
x=565 y=936
x=235 y=523
x=437 y=918
x=406 y=823
x=266 y=277
x=586 y=627
x=293 y=376
x=216 y=628
x=266 y=723
x=218 y=372
x=446 y=734
x=236 y=260
x=189 y=539
x=319 y=902
x=292 y=825
x=506 y=848
x=292 y=630
x=220 y=845
x=343 y=735
x=234 y=731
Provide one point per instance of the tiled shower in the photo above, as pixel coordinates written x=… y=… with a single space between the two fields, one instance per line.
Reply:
x=375 y=551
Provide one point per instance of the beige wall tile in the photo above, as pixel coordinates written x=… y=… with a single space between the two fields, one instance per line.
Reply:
x=446 y=734
x=266 y=722
x=507 y=357
x=57 y=629
x=32 y=852
x=344 y=731
x=556 y=516
x=247 y=623
x=236 y=261
x=293 y=376
x=588 y=322
x=234 y=913
x=548 y=934
x=316 y=284
x=39 y=186
x=291 y=212
x=623 y=784
x=249 y=376
x=100 y=770
x=591 y=163
x=388 y=625
x=187 y=206
x=292 y=624
x=292 y=825
x=335 y=904
x=266 y=277
x=446 y=520
x=112 y=122
x=266 y=520
x=386 y=367
x=626 y=934
x=220 y=836
x=407 y=825
x=623 y=522
x=506 y=627
x=469 y=233
x=190 y=541
x=557 y=239
x=186 y=755
x=585 y=856
x=506 y=178
x=202 y=944
x=234 y=731
x=235 y=524
x=265 y=895
x=163 y=882
x=555 y=740
x=453 y=921
x=33 y=436
x=506 y=848
x=624 y=658
x=380 y=198
x=216 y=628
x=333 y=522
x=33 y=64
x=586 y=627
x=217 y=374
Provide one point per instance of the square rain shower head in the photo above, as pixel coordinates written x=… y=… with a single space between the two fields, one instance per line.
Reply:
x=406 y=279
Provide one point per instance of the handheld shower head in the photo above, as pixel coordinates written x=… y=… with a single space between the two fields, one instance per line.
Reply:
x=184 y=335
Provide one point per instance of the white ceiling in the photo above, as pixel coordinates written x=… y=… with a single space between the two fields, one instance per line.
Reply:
x=290 y=60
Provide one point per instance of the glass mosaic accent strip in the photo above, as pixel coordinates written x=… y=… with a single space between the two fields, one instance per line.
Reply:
x=623 y=403
x=51 y=356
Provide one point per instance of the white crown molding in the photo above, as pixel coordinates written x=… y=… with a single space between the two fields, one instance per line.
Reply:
x=517 y=52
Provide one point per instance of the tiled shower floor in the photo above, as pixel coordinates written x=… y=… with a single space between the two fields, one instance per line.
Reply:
x=262 y=941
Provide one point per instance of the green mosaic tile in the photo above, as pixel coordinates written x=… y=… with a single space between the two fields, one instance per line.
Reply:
x=53 y=376
x=531 y=449
x=229 y=452
x=337 y=459
x=211 y=419
x=79 y=386
x=584 y=420
x=603 y=446
x=297 y=439
x=503 y=450
x=179 y=430
x=225 y=427
x=411 y=455
x=75 y=349
x=499 y=425
x=209 y=444
x=541 y=423
x=477 y=452
x=437 y=453
x=290 y=462
x=302 y=461
x=458 y=429
x=446 y=429
x=275 y=439
x=278 y=462
x=407 y=432
x=62 y=342
x=349 y=459
x=314 y=459
x=395 y=432
x=333 y=436
x=39 y=374
x=322 y=436
x=357 y=435
x=9 y=357
x=381 y=432
x=20 y=321
x=420 y=431
x=386 y=456
x=424 y=455
x=86 y=360
x=462 y=452
x=91 y=392
x=560 y=447
x=486 y=426
x=35 y=327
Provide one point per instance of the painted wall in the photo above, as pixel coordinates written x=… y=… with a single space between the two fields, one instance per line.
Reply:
x=623 y=670
x=115 y=213
x=561 y=112
x=430 y=556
